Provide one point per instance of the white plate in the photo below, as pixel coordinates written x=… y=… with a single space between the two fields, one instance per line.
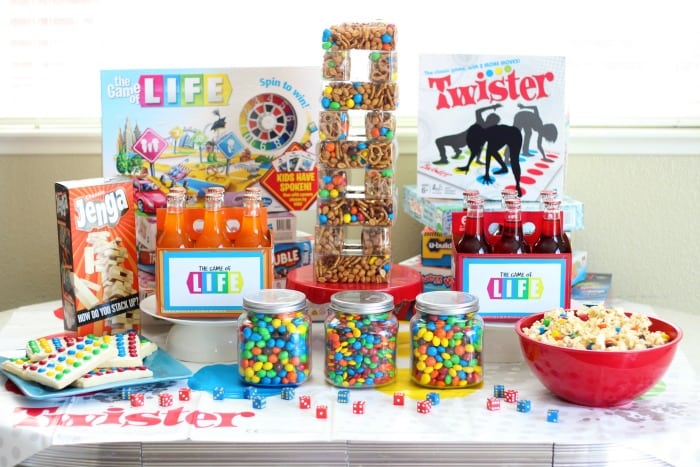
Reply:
x=204 y=340
x=148 y=306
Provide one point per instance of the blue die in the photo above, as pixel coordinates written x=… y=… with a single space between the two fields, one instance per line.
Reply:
x=433 y=397
x=126 y=393
x=498 y=390
x=524 y=405
x=218 y=393
x=553 y=415
x=343 y=395
x=287 y=393
x=249 y=392
x=259 y=402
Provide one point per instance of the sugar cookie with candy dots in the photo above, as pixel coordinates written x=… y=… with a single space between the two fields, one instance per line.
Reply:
x=101 y=376
x=15 y=365
x=62 y=368
x=130 y=350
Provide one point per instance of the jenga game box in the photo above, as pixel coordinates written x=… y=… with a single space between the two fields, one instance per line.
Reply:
x=97 y=255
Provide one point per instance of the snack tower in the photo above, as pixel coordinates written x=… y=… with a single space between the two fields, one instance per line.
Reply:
x=356 y=173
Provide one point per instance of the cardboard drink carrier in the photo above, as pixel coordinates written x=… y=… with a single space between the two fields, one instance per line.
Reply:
x=513 y=285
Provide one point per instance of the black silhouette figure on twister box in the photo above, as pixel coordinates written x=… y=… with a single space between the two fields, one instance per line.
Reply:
x=490 y=133
x=529 y=120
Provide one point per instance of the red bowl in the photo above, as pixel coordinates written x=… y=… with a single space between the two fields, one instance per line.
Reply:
x=598 y=378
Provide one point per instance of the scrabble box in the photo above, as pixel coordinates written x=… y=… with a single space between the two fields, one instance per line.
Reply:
x=97 y=255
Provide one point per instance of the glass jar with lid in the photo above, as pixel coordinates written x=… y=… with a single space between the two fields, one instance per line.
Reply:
x=274 y=338
x=446 y=340
x=360 y=339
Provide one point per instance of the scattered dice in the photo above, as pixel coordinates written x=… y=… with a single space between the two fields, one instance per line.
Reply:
x=321 y=411
x=524 y=405
x=249 y=392
x=424 y=406
x=259 y=402
x=553 y=415
x=304 y=402
x=287 y=393
x=137 y=399
x=493 y=403
x=126 y=393
x=498 y=390
x=218 y=393
x=358 y=407
x=343 y=396
x=433 y=397
x=184 y=394
x=165 y=399
x=511 y=395
x=399 y=398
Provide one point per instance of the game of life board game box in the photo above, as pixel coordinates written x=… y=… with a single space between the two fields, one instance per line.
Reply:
x=230 y=128
x=490 y=122
x=199 y=128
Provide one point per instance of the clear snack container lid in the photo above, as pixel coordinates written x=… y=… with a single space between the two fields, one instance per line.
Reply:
x=447 y=302
x=362 y=302
x=274 y=301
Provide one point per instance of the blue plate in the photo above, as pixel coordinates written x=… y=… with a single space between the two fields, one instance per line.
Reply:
x=163 y=366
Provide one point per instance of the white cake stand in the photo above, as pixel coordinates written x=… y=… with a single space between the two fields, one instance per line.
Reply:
x=210 y=340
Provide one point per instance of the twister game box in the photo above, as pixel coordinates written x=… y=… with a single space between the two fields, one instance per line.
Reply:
x=200 y=128
x=490 y=122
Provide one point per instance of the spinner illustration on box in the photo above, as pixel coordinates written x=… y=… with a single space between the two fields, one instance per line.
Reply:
x=489 y=123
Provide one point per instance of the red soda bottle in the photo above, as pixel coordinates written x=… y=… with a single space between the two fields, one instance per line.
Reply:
x=474 y=239
x=467 y=195
x=552 y=239
x=512 y=240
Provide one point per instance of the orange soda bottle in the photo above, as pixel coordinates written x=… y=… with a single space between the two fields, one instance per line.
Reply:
x=252 y=232
x=174 y=233
x=214 y=230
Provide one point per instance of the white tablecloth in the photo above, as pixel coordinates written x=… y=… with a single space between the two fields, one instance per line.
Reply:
x=661 y=425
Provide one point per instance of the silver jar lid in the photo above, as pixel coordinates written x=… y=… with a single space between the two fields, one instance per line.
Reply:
x=362 y=302
x=446 y=302
x=274 y=301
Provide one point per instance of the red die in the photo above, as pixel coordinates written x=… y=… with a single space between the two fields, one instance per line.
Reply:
x=358 y=407
x=424 y=406
x=184 y=394
x=493 y=403
x=137 y=399
x=165 y=399
x=398 y=398
x=321 y=411
x=511 y=395
x=304 y=402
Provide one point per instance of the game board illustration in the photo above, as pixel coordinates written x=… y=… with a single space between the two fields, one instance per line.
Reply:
x=490 y=122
